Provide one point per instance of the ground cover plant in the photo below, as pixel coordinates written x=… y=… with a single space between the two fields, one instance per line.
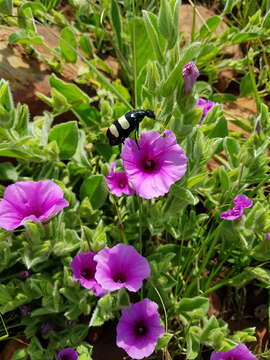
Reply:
x=156 y=248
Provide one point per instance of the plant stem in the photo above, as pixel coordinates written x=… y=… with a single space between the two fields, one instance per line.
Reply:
x=253 y=82
x=134 y=55
x=121 y=226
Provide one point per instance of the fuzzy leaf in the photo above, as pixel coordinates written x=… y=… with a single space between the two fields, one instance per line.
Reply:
x=68 y=45
x=95 y=188
x=66 y=135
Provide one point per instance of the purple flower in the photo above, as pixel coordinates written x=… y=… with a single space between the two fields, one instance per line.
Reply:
x=232 y=214
x=190 y=74
x=267 y=236
x=242 y=201
x=139 y=329
x=154 y=165
x=23 y=275
x=118 y=182
x=121 y=266
x=205 y=105
x=25 y=310
x=29 y=200
x=240 y=352
x=67 y=354
x=46 y=328
x=84 y=269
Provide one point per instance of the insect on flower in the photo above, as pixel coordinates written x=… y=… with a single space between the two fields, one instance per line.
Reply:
x=127 y=123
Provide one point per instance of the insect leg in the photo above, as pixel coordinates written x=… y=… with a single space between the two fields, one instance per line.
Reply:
x=136 y=140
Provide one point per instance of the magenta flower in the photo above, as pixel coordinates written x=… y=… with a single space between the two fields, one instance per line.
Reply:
x=37 y=201
x=25 y=310
x=23 y=275
x=46 y=328
x=83 y=267
x=67 y=354
x=205 y=105
x=267 y=236
x=232 y=214
x=118 y=182
x=121 y=266
x=242 y=201
x=139 y=329
x=154 y=164
x=240 y=352
x=190 y=74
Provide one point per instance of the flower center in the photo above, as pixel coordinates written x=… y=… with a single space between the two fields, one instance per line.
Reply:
x=140 y=329
x=119 y=278
x=231 y=358
x=65 y=357
x=121 y=185
x=87 y=274
x=149 y=165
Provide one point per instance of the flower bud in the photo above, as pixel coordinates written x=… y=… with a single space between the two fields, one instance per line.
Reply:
x=190 y=74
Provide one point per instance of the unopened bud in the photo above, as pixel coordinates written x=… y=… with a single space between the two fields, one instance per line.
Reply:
x=190 y=74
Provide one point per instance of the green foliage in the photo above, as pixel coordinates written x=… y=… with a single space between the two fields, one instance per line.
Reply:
x=192 y=251
x=95 y=188
x=68 y=45
x=66 y=136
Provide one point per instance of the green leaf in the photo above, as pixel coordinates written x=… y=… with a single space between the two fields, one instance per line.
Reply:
x=25 y=37
x=165 y=22
x=164 y=341
x=143 y=53
x=71 y=242
x=6 y=7
x=191 y=52
x=95 y=188
x=264 y=118
x=86 y=45
x=223 y=98
x=230 y=4
x=178 y=199
x=193 y=308
x=71 y=92
x=232 y=148
x=261 y=252
x=210 y=325
x=87 y=113
x=68 y=45
x=257 y=273
x=36 y=8
x=80 y=155
x=243 y=37
x=8 y=172
x=149 y=22
x=246 y=87
x=210 y=26
x=193 y=342
x=19 y=354
x=224 y=179
x=6 y=99
x=221 y=128
x=116 y=23
x=122 y=299
x=25 y=19
x=21 y=120
x=104 y=311
x=66 y=135
x=243 y=336
x=266 y=20
x=175 y=78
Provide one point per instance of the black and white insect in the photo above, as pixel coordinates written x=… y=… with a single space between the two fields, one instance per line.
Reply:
x=127 y=123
